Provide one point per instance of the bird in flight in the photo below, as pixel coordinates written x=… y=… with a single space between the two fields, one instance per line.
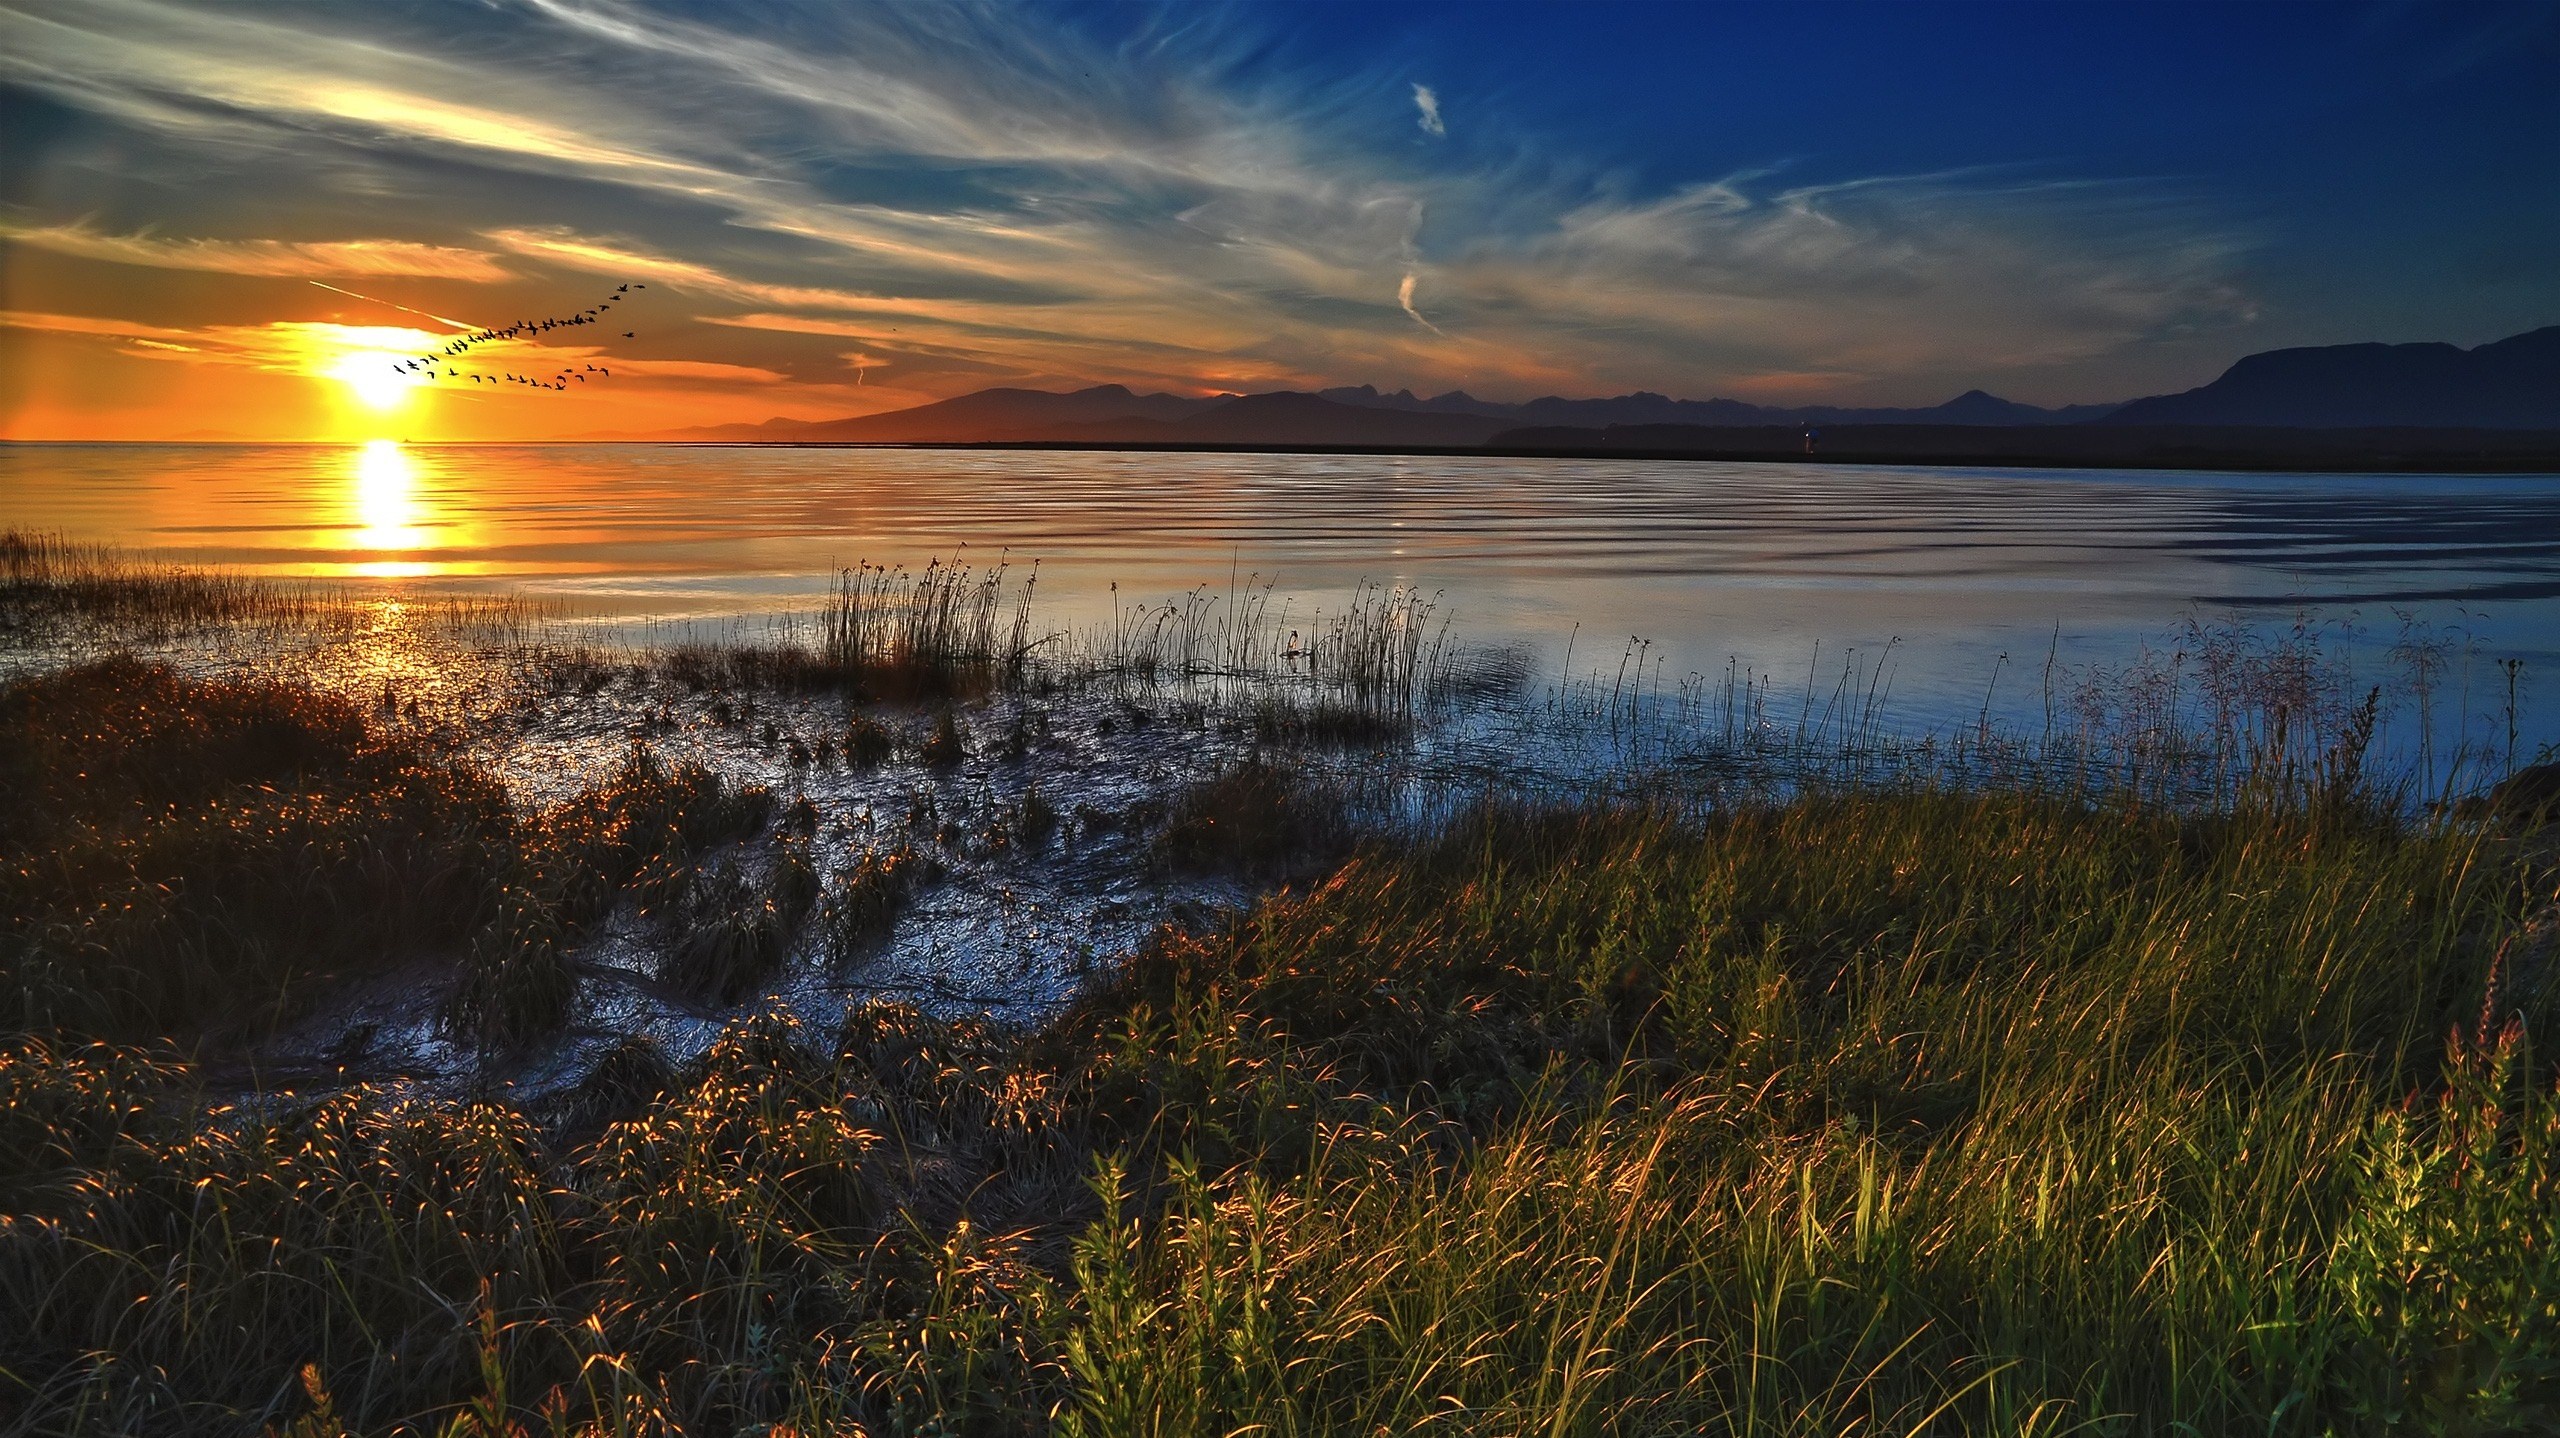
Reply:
x=426 y=365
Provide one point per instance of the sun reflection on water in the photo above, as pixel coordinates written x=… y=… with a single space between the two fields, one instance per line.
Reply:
x=388 y=514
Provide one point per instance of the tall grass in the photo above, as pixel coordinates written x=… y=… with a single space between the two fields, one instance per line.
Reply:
x=933 y=632
x=47 y=577
x=1898 y=1110
x=1371 y=670
x=1979 y=1112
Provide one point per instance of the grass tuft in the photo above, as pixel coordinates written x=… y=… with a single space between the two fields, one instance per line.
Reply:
x=1254 y=817
x=868 y=897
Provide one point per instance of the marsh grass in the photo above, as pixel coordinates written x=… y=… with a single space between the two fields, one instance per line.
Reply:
x=868 y=896
x=735 y=930
x=203 y=858
x=47 y=578
x=1913 y=1110
x=1256 y=816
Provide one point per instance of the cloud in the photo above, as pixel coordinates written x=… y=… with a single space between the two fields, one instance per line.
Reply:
x=992 y=192
x=1404 y=297
x=1429 y=104
x=291 y=259
x=1883 y=276
x=310 y=348
x=692 y=370
x=97 y=325
x=294 y=347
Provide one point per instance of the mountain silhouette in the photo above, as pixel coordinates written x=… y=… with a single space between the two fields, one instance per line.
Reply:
x=1349 y=415
x=2510 y=384
x=1289 y=418
x=2507 y=385
x=992 y=412
x=1646 y=407
x=983 y=415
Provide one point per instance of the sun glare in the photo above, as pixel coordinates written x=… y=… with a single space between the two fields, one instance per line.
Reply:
x=383 y=500
x=366 y=359
x=370 y=375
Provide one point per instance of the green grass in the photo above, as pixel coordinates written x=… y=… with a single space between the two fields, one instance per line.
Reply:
x=1870 y=1111
x=1991 y=1113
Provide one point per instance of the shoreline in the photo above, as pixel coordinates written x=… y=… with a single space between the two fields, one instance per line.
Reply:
x=1842 y=451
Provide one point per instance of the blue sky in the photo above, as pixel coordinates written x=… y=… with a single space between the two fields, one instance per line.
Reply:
x=845 y=208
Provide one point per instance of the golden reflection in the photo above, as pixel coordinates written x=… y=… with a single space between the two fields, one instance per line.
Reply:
x=387 y=510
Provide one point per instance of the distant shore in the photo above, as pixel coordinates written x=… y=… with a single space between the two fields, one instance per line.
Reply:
x=2077 y=447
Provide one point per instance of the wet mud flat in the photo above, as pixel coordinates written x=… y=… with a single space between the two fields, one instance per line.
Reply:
x=1034 y=847
x=937 y=823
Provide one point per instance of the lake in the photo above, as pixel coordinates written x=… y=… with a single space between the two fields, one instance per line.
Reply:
x=1969 y=581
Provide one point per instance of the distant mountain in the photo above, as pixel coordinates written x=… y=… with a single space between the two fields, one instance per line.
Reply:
x=1352 y=415
x=2407 y=450
x=1645 y=407
x=1001 y=413
x=987 y=414
x=2510 y=384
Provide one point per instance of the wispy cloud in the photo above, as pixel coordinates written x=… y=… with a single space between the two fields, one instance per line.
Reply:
x=287 y=259
x=1404 y=297
x=976 y=192
x=96 y=325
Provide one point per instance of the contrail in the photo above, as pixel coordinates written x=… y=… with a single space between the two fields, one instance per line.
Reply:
x=404 y=309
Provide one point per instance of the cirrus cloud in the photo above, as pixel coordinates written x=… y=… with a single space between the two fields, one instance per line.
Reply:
x=282 y=259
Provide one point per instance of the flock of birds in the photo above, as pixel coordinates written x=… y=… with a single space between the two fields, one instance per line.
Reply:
x=441 y=363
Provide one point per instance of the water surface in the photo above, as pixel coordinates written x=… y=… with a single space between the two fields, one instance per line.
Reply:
x=1780 y=569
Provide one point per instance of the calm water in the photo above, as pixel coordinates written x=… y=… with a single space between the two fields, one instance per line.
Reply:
x=1750 y=565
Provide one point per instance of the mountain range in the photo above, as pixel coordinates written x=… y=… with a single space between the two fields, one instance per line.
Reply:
x=2511 y=384
x=1113 y=414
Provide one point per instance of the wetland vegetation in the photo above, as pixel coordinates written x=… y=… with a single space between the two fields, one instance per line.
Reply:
x=2177 y=1077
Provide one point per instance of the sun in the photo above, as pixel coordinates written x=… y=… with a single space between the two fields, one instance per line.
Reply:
x=373 y=377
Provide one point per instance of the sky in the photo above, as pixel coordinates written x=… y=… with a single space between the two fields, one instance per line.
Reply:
x=231 y=220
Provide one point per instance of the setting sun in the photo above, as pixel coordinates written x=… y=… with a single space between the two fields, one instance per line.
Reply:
x=374 y=378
